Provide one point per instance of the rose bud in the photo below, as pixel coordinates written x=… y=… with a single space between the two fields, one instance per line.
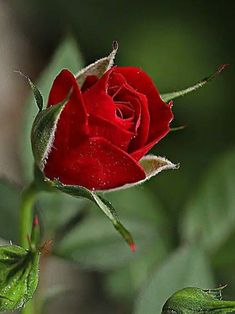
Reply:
x=195 y=300
x=98 y=127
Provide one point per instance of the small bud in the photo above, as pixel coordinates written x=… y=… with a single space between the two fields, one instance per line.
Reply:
x=196 y=300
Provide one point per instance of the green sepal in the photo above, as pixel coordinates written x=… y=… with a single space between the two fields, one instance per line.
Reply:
x=99 y=67
x=170 y=96
x=102 y=203
x=37 y=95
x=195 y=300
x=18 y=276
x=43 y=132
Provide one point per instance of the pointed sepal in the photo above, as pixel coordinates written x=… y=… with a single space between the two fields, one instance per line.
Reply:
x=18 y=276
x=170 y=96
x=152 y=166
x=99 y=67
x=37 y=95
x=43 y=132
x=195 y=300
x=103 y=204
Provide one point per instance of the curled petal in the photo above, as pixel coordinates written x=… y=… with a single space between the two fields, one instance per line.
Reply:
x=160 y=112
x=99 y=127
x=97 y=101
x=168 y=116
x=72 y=125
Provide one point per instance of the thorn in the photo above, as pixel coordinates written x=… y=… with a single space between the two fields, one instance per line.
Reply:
x=132 y=247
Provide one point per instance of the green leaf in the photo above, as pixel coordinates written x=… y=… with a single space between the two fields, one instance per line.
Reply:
x=101 y=202
x=210 y=214
x=123 y=282
x=93 y=242
x=43 y=132
x=195 y=300
x=67 y=56
x=99 y=67
x=10 y=201
x=37 y=95
x=186 y=267
x=18 y=276
x=170 y=96
x=57 y=209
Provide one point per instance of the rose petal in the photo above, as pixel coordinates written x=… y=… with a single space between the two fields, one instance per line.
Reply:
x=116 y=81
x=160 y=112
x=99 y=127
x=72 y=125
x=97 y=101
x=89 y=81
x=139 y=103
x=162 y=132
x=96 y=164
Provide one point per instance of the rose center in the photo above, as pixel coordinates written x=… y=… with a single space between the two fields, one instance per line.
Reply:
x=124 y=110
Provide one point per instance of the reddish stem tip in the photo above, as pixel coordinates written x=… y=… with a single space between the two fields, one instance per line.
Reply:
x=222 y=67
x=132 y=247
x=35 y=221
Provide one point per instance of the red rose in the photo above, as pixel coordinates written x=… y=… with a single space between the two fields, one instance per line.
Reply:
x=105 y=128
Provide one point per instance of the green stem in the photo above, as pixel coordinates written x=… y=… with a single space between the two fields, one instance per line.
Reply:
x=26 y=214
x=26 y=219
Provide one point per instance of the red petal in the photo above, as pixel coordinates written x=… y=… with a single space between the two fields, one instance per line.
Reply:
x=72 y=125
x=99 y=127
x=160 y=112
x=97 y=164
x=89 y=81
x=167 y=116
x=139 y=103
x=97 y=100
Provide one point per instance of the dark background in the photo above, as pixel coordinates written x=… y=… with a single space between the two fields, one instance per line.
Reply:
x=177 y=44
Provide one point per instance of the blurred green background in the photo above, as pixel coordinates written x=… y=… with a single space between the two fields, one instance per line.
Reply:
x=183 y=221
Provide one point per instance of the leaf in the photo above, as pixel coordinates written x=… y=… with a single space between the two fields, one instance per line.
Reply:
x=170 y=96
x=186 y=267
x=123 y=282
x=93 y=242
x=210 y=215
x=101 y=202
x=67 y=56
x=10 y=201
x=18 y=276
x=99 y=67
x=57 y=210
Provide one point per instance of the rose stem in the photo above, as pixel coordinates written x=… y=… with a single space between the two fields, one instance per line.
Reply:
x=25 y=225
